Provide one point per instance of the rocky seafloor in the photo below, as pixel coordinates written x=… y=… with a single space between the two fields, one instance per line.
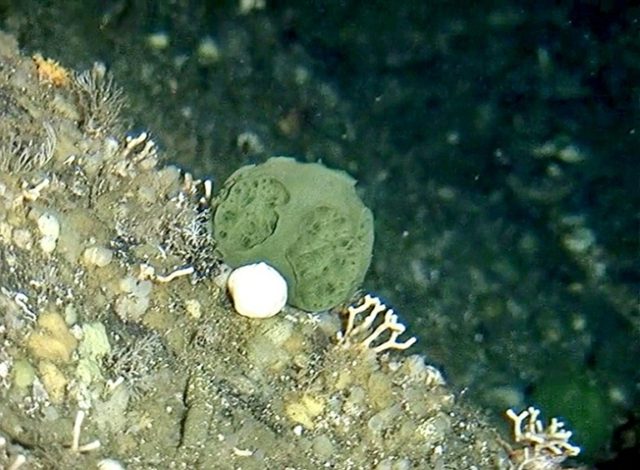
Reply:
x=113 y=355
x=496 y=146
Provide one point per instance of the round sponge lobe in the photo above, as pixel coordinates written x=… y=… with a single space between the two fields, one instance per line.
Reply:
x=305 y=220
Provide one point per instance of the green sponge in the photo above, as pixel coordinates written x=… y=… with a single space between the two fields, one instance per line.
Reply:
x=305 y=220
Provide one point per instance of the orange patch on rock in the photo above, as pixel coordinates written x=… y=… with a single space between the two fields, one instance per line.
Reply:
x=51 y=71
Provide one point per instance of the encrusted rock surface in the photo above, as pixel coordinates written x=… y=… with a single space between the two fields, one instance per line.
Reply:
x=105 y=254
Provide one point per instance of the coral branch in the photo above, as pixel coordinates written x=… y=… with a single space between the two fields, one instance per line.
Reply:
x=542 y=444
x=389 y=324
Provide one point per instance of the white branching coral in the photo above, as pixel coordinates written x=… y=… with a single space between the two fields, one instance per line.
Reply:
x=542 y=445
x=140 y=149
x=373 y=327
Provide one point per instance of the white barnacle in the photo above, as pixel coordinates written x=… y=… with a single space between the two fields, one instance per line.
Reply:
x=50 y=229
x=257 y=290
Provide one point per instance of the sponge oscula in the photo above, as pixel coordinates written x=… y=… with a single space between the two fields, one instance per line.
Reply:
x=305 y=220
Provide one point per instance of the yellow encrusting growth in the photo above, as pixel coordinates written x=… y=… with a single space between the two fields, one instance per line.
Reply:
x=53 y=380
x=52 y=339
x=305 y=410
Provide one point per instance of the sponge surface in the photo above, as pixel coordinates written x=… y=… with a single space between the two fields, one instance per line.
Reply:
x=304 y=219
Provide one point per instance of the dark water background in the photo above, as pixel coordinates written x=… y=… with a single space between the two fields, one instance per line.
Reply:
x=497 y=145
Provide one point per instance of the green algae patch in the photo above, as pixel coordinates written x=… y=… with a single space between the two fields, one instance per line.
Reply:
x=582 y=403
x=305 y=220
x=95 y=342
x=93 y=347
x=23 y=373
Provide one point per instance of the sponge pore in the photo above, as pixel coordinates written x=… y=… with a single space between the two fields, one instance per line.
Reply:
x=249 y=214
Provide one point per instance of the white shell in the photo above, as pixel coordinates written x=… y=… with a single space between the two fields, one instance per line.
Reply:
x=257 y=290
